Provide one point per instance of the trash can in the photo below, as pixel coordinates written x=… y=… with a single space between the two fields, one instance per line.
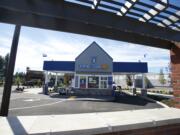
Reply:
x=45 y=89
x=134 y=91
x=143 y=92
x=113 y=93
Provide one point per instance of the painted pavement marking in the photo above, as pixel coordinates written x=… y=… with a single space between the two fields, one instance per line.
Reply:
x=36 y=106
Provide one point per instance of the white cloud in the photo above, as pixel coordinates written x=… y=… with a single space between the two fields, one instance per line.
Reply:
x=4 y=46
x=30 y=52
x=121 y=51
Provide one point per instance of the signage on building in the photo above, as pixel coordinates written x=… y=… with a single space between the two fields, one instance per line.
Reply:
x=94 y=66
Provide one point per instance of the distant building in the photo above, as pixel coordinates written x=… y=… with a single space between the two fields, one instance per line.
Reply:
x=34 y=75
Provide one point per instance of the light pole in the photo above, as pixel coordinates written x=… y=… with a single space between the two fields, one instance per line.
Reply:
x=45 y=75
x=144 y=90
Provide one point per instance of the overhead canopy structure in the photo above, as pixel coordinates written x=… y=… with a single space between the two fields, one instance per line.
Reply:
x=149 y=22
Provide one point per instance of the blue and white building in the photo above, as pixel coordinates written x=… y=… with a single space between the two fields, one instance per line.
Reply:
x=94 y=68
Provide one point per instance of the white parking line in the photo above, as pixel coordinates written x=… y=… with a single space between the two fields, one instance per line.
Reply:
x=20 y=108
x=32 y=99
x=21 y=98
x=14 y=98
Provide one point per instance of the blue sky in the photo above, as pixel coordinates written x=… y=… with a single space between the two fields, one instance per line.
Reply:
x=66 y=46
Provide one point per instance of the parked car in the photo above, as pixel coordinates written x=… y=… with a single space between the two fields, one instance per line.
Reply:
x=20 y=89
x=62 y=91
x=29 y=84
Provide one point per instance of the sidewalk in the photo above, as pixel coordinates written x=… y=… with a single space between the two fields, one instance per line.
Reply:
x=89 y=123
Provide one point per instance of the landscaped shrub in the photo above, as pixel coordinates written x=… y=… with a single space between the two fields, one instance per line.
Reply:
x=55 y=89
x=166 y=92
x=1 y=83
x=171 y=92
x=169 y=102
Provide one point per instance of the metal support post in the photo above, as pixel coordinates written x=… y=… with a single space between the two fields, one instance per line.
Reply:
x=143 y=90
x=56 y=80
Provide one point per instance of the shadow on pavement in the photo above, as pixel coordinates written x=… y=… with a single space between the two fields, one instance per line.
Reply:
x=56 y=95
x=16 y=126
x=119 y=98
x=84 y=98
x=133 y=100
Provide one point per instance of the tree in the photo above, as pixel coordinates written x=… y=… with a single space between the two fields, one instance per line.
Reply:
x=169 y=69
x=128 y=80
x=1 y=70
x=39 y=83
x=21 y=76
x=162 y=80
x=1 y=62
x=1 y=67
x=66 y=79
x=17 y=81
x=6 y=60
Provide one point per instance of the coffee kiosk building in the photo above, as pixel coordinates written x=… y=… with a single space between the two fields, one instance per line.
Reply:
x=94 y=68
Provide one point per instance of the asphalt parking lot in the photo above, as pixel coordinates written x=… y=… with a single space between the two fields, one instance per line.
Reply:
x=33 y=102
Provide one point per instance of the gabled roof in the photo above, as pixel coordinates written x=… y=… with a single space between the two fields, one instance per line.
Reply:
x=94 y=44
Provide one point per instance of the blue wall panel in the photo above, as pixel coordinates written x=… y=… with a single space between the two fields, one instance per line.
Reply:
x=132 y=67
x=59 y=66
x=118 y=67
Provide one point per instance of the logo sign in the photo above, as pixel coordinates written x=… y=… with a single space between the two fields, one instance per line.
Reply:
x=104 y=66
x=92 y=66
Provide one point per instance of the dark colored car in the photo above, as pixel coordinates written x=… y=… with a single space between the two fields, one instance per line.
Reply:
x=62 y=91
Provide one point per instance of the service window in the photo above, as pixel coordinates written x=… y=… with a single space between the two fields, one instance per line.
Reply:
x=93 y=82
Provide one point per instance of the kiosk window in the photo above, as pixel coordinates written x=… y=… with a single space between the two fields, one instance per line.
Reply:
x=93 y=82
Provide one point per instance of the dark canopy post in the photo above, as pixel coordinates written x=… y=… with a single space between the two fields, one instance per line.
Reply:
x=9 y=73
